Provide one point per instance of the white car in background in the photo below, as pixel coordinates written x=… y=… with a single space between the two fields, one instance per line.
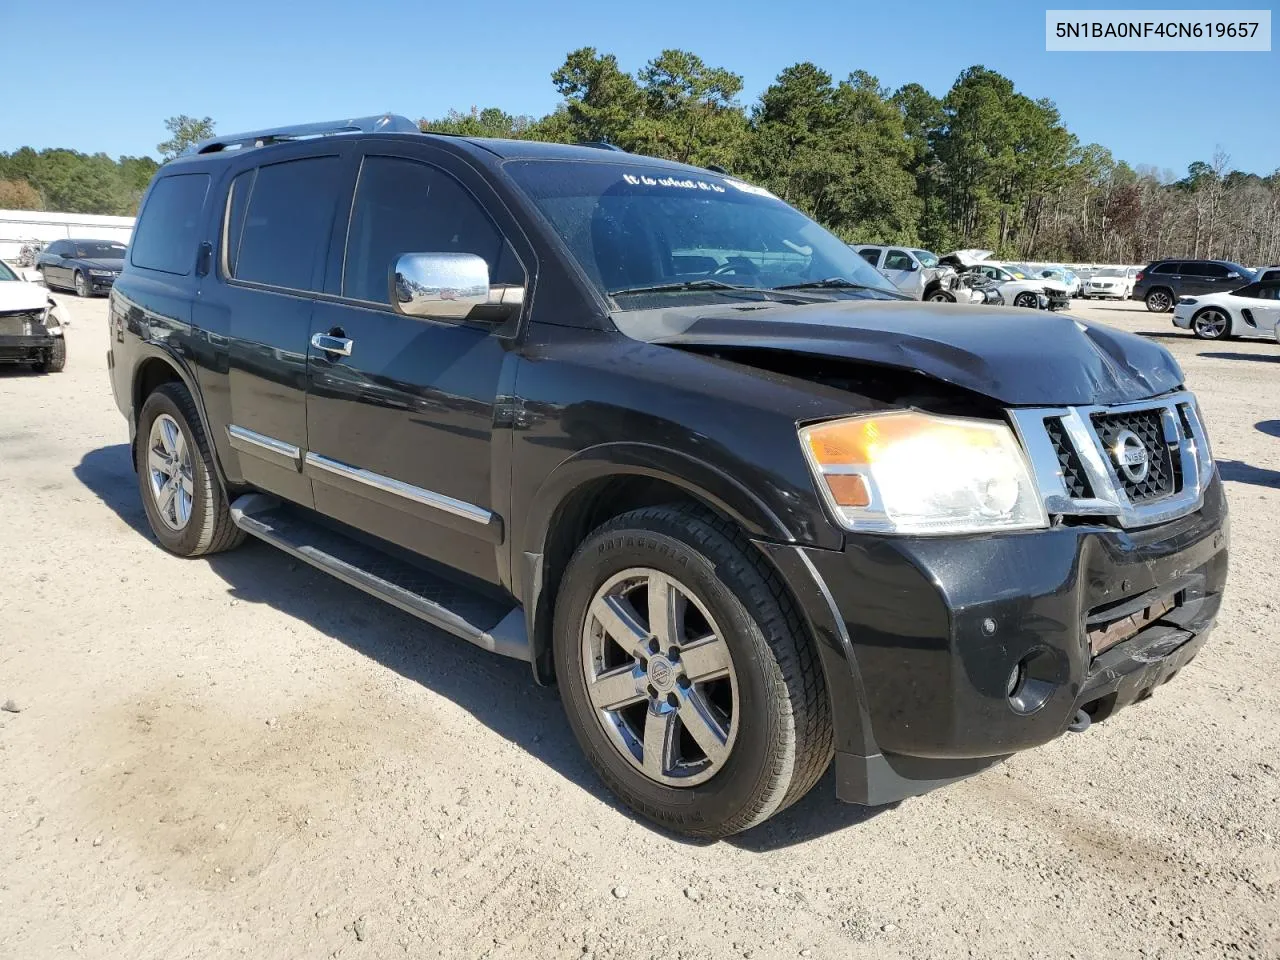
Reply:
x=1110 y=282
x=1016 y=288
x=1251 y=311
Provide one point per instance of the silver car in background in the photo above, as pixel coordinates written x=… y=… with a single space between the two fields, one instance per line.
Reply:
x=915 y=272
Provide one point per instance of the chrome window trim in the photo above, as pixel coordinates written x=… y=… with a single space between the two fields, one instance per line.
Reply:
x=1110 y=499
x=248 y=441
x=429 y=498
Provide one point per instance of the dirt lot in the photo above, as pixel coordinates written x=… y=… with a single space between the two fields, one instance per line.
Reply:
x=243 y=756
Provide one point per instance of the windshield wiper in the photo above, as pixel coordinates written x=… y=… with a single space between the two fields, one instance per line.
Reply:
x=683 y=285
x=831 y=283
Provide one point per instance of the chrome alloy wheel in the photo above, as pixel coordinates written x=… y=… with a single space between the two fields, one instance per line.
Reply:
x=169 y=470
x=1211 y=324
x=660 y=677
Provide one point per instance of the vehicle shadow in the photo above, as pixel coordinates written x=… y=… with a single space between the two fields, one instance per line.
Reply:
x=1163 y=335
x=498 y=692
x=1270 y=427
x=1256 y=357
x=1238 y=472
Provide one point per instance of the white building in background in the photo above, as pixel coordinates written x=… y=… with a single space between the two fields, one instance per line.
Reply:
x=22 y=226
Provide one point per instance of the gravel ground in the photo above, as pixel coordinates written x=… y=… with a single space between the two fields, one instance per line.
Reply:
x=243 y=756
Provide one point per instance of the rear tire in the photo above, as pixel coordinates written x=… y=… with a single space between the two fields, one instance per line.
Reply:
x=1159 y=300
x=56 y=359
x=777 y=740
x=178 y=466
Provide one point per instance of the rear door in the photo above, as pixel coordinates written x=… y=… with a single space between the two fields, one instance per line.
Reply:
x=276 y=235
x=401 y=430
x=1199 y=276
x=55 y=270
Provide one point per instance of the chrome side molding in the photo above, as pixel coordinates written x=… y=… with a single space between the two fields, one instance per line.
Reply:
x=267 y=448
x=429 y=498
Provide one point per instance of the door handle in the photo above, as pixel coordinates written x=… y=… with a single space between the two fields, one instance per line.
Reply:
x=332 y=344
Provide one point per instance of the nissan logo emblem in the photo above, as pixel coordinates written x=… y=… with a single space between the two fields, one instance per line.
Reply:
x=1131 y=456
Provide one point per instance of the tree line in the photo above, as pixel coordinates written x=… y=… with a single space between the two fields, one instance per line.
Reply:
x=982 y=166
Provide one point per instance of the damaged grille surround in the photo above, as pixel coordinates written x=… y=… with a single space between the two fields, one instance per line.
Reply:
x=1073 y=457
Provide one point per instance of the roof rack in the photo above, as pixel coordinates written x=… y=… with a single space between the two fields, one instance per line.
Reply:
x=600 y=145
x=382 y=123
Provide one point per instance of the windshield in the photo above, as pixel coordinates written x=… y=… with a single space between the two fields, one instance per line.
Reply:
x=926 y=258
x=100 y=251
x=1109 y=272
x=633 y=228
x=6 y=273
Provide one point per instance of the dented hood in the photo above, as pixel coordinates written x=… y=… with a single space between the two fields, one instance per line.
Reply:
x=1017 y=357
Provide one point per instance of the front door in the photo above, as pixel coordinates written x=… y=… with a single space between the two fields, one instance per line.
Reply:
x=275 y=240
x=903 y=271
x=400 y=426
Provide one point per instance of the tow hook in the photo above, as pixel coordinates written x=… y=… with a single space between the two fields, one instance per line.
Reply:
x=1081 y=722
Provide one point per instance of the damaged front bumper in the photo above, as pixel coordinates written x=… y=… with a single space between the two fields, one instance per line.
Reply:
x=945 y=655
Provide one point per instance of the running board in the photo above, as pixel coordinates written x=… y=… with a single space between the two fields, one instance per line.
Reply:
x=497 y=627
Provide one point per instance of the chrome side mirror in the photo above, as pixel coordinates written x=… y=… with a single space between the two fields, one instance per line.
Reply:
x=443 y=286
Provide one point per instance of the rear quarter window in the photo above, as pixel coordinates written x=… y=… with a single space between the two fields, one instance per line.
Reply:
x=167 y=231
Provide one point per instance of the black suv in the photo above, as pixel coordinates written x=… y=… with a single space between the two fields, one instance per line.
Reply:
x=655 y=432
x=1161 y=283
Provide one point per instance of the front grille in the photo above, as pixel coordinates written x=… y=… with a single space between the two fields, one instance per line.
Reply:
x=1068 y=460
x=17 y=323
x=1147 y=425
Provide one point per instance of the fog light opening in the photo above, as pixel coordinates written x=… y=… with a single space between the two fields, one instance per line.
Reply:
x=1031 y=683
x=1016 y=677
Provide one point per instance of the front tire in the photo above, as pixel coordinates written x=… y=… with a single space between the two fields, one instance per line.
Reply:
x=184 y=503
x=687 y=674
x=82 y=285
x=1211 y=324
x=55 y=360
x=1026 y=300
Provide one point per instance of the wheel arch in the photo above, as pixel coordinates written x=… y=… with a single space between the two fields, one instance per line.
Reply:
x=607 y=481
x=1226 y=312
x=158 y=365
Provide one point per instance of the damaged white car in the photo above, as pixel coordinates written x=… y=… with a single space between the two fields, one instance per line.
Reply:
x=30 y=328
x=1011 y=285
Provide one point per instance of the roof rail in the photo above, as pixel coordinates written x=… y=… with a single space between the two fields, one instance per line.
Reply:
x=600 y=145
x=382 y=123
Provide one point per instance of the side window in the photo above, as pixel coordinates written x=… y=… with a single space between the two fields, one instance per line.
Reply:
x=1270 y=292
x=403 y=206
x=233 y=222
x=1270 y=276
x=1254 y=290
x=897 y=260
x=1215 y=270
x=165 y=237
x=870 y=254
x=1193 y=268
x=1171 y=267
x=287 y=223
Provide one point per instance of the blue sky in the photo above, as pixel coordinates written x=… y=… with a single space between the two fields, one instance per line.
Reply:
x=102 y=77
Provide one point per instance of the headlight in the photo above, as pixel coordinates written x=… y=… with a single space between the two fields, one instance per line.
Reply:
x=909 y=472
x=102 y=273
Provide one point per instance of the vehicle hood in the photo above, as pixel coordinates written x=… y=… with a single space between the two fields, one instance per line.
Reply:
x=1017 y=357
x=102 y=263
x=19 y=295
x=965 y=258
